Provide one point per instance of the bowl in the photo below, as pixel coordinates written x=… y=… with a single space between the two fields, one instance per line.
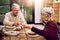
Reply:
x=12 y=33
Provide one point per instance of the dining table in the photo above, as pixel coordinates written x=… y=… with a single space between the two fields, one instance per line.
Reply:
x=23 y=35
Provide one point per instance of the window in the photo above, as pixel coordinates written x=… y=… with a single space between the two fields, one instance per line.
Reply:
x=4 y=6
x=27 y=9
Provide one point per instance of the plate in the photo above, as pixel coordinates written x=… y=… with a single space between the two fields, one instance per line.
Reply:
x=10 y=27
x=13 y=33
x=1 y=26
x=31 y=32
x=41 y=27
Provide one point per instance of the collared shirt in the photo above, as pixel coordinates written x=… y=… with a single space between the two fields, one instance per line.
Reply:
x=10 y=18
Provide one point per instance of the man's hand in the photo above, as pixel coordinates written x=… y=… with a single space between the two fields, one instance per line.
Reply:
x=16 y=24
x=18 y=28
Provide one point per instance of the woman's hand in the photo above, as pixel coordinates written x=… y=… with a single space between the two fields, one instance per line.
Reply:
x=28 y=26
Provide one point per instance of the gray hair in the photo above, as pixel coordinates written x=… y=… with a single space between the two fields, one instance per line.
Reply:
x=48 y=10
x=15 y=5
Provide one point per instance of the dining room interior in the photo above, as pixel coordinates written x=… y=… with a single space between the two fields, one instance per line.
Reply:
x=32 y=12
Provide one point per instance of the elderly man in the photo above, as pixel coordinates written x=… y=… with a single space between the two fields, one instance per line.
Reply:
x=50 y=32
x=14 y=17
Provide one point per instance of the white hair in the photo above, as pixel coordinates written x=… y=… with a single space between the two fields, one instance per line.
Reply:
x=48 y=10
x=15 y=5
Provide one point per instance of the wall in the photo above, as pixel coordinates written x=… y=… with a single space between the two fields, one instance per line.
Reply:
x=38 y=7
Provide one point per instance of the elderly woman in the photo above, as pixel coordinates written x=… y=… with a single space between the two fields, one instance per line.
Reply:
x=50 y=32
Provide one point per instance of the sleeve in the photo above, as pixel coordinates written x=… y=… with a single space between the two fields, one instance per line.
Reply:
x=44 y=32
x=23 y=19
x=6 y=21
x=38 y=31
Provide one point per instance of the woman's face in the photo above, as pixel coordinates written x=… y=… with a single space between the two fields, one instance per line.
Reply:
x=45 y=17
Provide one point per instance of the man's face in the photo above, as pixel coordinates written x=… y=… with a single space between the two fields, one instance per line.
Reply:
x=15 y=11
x=45 y=18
